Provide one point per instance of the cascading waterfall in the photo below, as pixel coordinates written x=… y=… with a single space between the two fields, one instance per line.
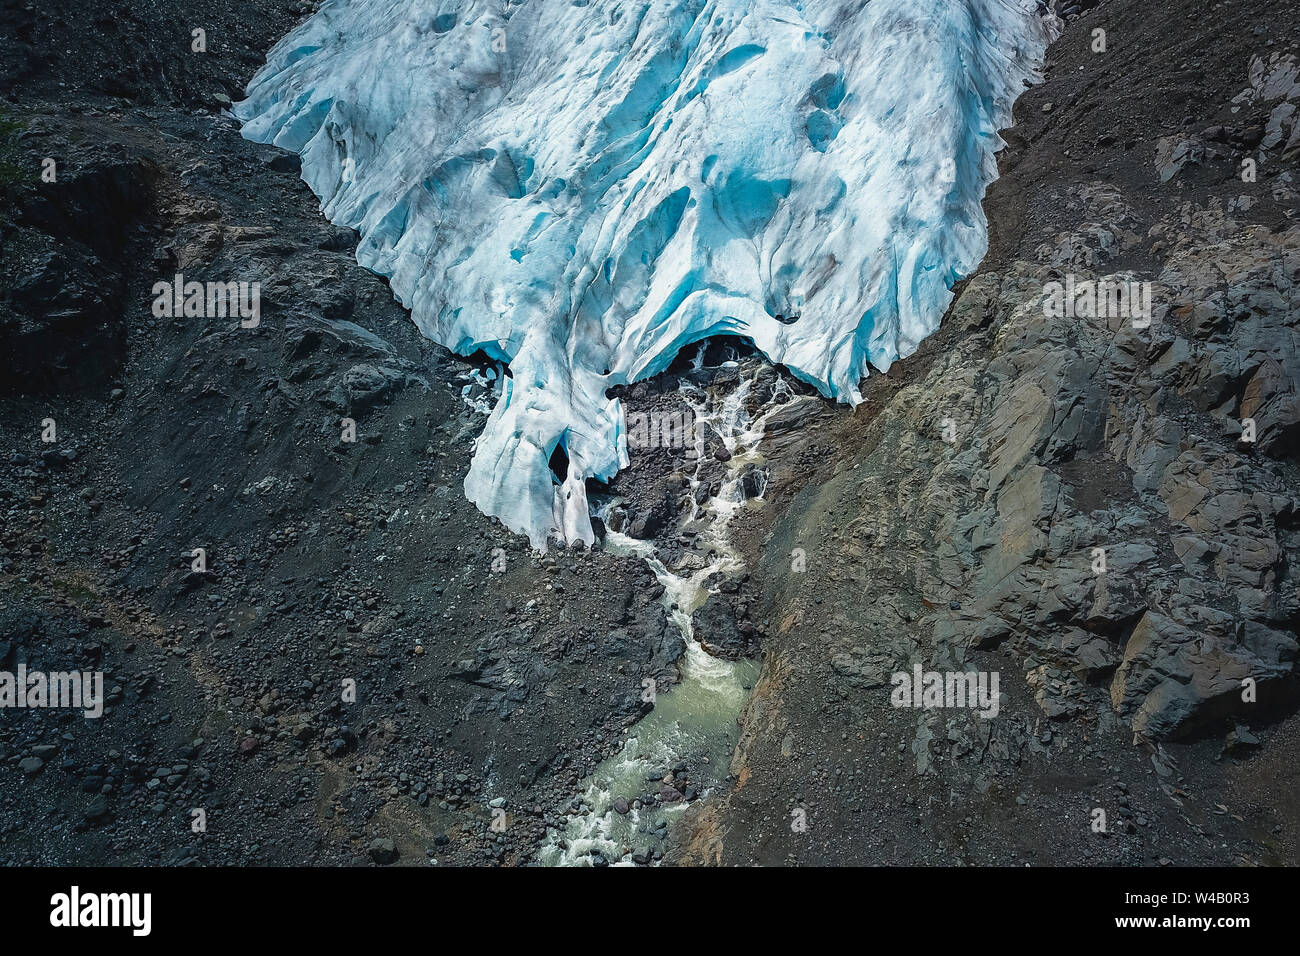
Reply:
x=696 y=721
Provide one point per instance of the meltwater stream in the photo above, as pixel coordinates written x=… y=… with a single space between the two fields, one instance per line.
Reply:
x=580 y=190
x=696 y=723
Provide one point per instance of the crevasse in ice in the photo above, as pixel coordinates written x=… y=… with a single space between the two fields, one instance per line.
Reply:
x=580 y=188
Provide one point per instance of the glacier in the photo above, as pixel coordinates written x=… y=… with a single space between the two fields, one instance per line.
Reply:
x=581 y=188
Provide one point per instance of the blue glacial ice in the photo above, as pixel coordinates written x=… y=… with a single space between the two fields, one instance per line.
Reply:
x=580 y=188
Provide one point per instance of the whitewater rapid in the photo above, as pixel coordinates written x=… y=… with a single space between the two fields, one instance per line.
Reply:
x=579 y=190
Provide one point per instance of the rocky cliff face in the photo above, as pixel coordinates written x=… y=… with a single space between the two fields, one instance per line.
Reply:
x=1100 y=505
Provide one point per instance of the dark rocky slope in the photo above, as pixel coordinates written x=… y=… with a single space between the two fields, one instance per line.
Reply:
x=483 y=672
x=330 y=561
x=973 y=547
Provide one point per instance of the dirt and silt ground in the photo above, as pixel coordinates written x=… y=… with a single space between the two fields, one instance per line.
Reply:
x=491 y=682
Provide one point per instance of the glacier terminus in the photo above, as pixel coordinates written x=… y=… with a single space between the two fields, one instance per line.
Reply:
x=581 y=188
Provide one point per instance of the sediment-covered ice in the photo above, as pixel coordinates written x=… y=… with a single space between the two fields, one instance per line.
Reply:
x=580 y=189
